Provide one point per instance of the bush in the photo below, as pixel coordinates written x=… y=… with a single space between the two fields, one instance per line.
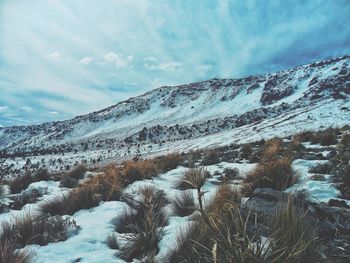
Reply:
x=222 y=235
x=144 y=225
x=77 y=172
x=10 y=254
x=306 y=136
x=68 y=182
x=36 y=229
x=272 y=149
x=21 y=182
x=231 y=173
x=246 y=151
x=193 y=178
x=184 y=204
x=139 y=170
x=168 y=162
x=26 y=197
x=325 y=138
x=277 y=174
x=42 y=175
x=211 y=157
x=292 y=236
x=102 y=187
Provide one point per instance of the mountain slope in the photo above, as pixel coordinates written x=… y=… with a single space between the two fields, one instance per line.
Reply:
x=188 y=111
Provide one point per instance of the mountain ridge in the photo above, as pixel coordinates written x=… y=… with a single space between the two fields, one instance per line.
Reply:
x=187 y=111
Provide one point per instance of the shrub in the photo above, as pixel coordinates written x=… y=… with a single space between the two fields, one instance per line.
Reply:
x=144 y=225
x=325 y=138
x=168 y=162
x=36 y=229
x=306 y=136
x=102 y=187
x=24 y=198
x=222 y=235
x=139 y=170
x=68 y=182
x=42 y=175
x=77 y=172
x=272 y=149
x=231 y=173
x=21 y=182
x=193 y=178
x=211 y=157
x=291 y=236
x=246 y=151
x=10 y=254
x=184 y=204
x=277 y=174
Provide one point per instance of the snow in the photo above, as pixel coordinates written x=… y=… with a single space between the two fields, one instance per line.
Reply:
x=321 y=191
x=89 y=245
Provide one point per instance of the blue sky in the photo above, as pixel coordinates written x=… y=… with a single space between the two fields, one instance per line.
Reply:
x=61 y=58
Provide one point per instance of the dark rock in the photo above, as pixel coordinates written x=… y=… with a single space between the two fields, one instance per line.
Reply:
x=337 y=203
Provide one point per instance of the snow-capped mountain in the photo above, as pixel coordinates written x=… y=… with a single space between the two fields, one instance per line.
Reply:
x=208 y=109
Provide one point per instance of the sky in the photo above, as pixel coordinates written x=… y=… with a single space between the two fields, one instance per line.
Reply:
x=62 y=58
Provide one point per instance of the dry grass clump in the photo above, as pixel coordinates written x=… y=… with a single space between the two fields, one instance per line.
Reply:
x=10 y=254
x=231 y=173
x=246 y=151
x=184 y=204
x=139 y=170
x=146 y=169
x=42 y=174
x=193 y=178
x=102 y=187
x=272 y=149
x=34 y=229
x=326 y=137
x=77 y=172
x=211 y=157
x=26 y=197
x=21 y=182
x=168 y=162
x=144 y=225
x=306 y=136
x=223 y=235
x=290 y=235
x=277 y=174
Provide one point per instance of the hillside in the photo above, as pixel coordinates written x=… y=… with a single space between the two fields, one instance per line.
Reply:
x=191 y=111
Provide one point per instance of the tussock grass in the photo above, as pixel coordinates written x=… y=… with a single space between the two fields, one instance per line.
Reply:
x=193 y=178
x=222 y=235
x=21 y=182
x=184 y=204
x=144 y=225
x=102 y=187
x=31 y=229
x=277 y=174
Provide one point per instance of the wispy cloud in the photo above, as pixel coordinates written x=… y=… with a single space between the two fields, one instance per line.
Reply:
x=75 y=56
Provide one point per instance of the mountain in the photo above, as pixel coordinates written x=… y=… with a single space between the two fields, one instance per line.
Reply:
x=197 y=115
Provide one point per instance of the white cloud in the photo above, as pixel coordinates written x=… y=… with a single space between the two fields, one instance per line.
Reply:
x=55 y=56
x=118 y=60
x=3 y=108
x=86 y=60
x=171 y=42
x=166 y=66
